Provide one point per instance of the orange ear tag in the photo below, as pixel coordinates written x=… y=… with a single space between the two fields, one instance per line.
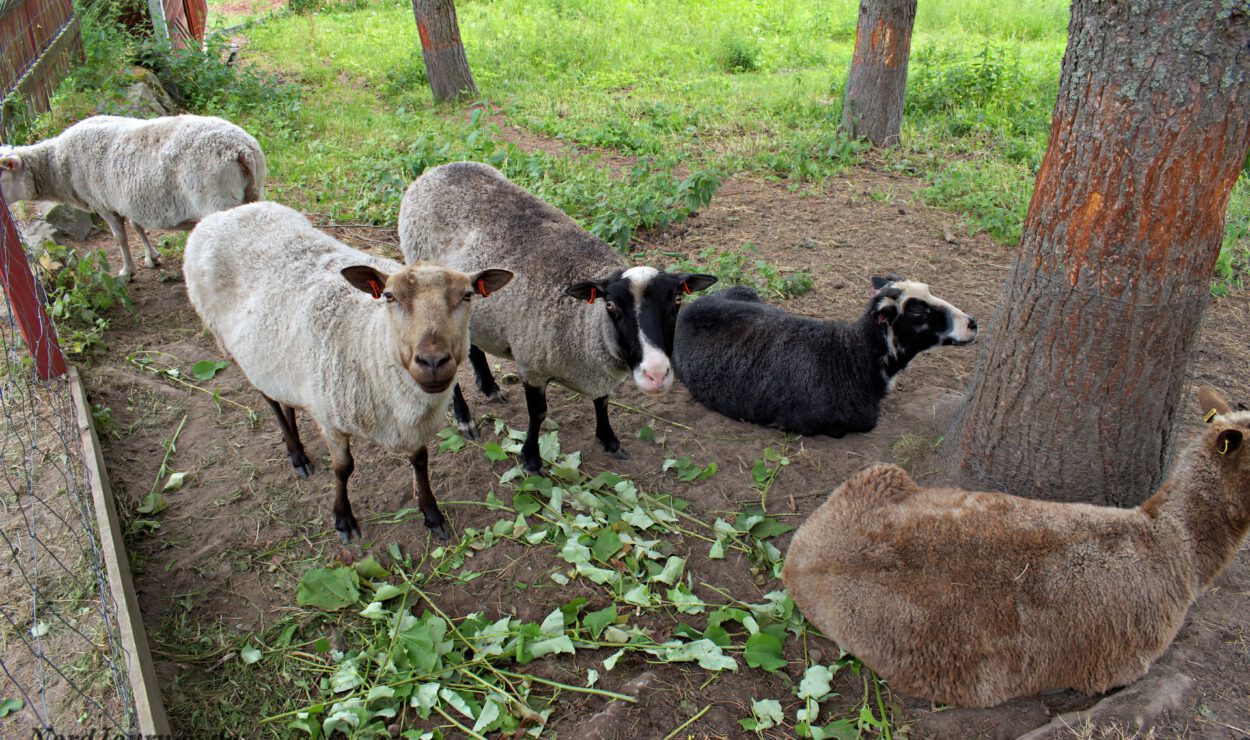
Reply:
x=686 y=288
x=376 y=288
x=481 y=288
x=592 y=295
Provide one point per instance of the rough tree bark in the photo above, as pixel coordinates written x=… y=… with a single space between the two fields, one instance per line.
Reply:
x=1077 y=394
x=873 y=107
x=445 y=63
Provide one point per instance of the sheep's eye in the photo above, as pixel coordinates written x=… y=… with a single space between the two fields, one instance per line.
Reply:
x=677 y=299
x=612 y=309
x=468 y=295
x=389 y=296
x=917 y=308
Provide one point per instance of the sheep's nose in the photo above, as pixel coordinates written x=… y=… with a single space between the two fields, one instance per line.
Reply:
x=657 y=378
x=972 y=324
x=433 y=362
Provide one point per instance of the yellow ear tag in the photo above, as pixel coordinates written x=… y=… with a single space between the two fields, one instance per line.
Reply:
x=1225 y=450
x=1210 y=415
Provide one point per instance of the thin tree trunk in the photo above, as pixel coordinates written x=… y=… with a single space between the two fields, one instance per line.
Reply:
x=873 y=107
x=1077 y=394
x=445 y=63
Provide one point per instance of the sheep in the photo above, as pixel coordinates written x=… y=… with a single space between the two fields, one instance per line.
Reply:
x=973 y=598
x=754 y=362
x=576 y=314
x=163 y=173
x=364 y=345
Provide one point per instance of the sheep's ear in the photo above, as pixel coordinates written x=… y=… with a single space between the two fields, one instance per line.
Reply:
x=1227 y=441
x=488 y=281
x=879 y=283
x=11 y=163
x=367 y=279
x=587 y=291
x=691 y=282
x=1212 y=403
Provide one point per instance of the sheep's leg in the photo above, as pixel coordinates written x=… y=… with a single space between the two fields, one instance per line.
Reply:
x=464 y=417
x=604 y=433
x=290 y=437
x=341 y=457
x=150 y=257
x=425 y=495
x=482 y=374
x=536 y=403
x=117 y=225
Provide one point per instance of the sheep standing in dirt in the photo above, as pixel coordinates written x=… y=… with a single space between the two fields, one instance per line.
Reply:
x=576 y=314
x=754 y=362
x=163 y=173
x=366 y=346
x=974 y=598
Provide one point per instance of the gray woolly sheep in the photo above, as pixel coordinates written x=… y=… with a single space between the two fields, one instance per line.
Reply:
x=163 y=173
x=576 y=314
x=754 y=362
x=974 y=598
x=364 y=345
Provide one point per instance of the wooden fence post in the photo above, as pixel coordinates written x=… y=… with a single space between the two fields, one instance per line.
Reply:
x=25 y=300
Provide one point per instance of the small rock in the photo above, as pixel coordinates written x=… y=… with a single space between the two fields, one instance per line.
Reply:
x=35 y=234
x=69 y=222
x=146 y=98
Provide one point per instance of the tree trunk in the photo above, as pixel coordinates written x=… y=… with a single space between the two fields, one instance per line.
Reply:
x=873 y=107
x=445 y=63
x=1076 y=396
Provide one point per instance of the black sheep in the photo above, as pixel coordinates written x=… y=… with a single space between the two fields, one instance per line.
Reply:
x=751 y=361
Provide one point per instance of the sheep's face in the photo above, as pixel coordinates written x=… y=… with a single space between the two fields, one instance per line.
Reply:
x=1226 y=439
x=915 y=319
x=16 y=182
x=428 y=309
x=642 y=304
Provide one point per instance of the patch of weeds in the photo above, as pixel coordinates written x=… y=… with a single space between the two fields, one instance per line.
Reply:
x=102 y=418
x=649 y=197
x=910 y=449
x=1233 y=264
x=735 y=53
x=946 y=78
x=172 y=245
x=743 y=267
x=995 y=196
x=159 y=364
x=81 y=289
x=810 y=155
x=687 y=470
x=764 y=472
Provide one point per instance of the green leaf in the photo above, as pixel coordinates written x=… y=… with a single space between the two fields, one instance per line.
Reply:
x=764 y=651
x=206 y=369
x=550 y=645
x=387 y=591
x=610 y=662
x=638 y=595
x=816 y=684
x=371 y=568
x=153 y=503
x=646 y=434
x=706 y=653
x=769 y=528
x=718 y=550
x=173 y=484
x=596 y=621
x=671 y=572
x=607 y=544
x=494 y=452
x=9 y=706
x=329 y=589
x=250 y=654
x=526 y=504
x=767 y=713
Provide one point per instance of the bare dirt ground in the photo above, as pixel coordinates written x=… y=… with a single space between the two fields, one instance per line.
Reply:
x=234 y=541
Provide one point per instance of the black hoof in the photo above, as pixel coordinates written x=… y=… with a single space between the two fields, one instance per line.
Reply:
x=469 y=431
x=303 y=467
x=533 y=467
x=495 y=396
x=619 y=453
x=347 y=529
x=440 y=532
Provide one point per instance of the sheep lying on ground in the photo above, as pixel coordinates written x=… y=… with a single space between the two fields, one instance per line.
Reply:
x=575 y=313
x=973 y=598
x=366 y=346
x=165 y=173
x=754 y=362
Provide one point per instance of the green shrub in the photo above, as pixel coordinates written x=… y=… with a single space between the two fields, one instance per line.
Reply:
x=744 y=267
x=80 y=290
x=201 y=80
x=737 y=54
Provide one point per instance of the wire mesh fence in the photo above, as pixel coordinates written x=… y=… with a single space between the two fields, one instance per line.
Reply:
x=39 y=39
x=62 y=660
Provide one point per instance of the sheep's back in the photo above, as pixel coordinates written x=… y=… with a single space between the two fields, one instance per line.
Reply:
x=972 y=598
x=160 y=172
x=752 y=361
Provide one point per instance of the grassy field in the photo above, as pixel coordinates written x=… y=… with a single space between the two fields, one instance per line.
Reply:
x=642 y=109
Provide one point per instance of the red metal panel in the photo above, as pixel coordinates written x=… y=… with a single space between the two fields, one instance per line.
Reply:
x=26 y=303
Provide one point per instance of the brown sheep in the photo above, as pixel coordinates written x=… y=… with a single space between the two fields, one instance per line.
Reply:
x=973 y=598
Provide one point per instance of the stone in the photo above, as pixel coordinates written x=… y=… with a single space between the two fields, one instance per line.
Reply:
x=69 y=223
x=146 y=97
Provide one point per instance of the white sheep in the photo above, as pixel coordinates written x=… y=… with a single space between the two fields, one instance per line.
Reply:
x=577 y=314
x=364 y=345
x=973 y=598
x=163 y=173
